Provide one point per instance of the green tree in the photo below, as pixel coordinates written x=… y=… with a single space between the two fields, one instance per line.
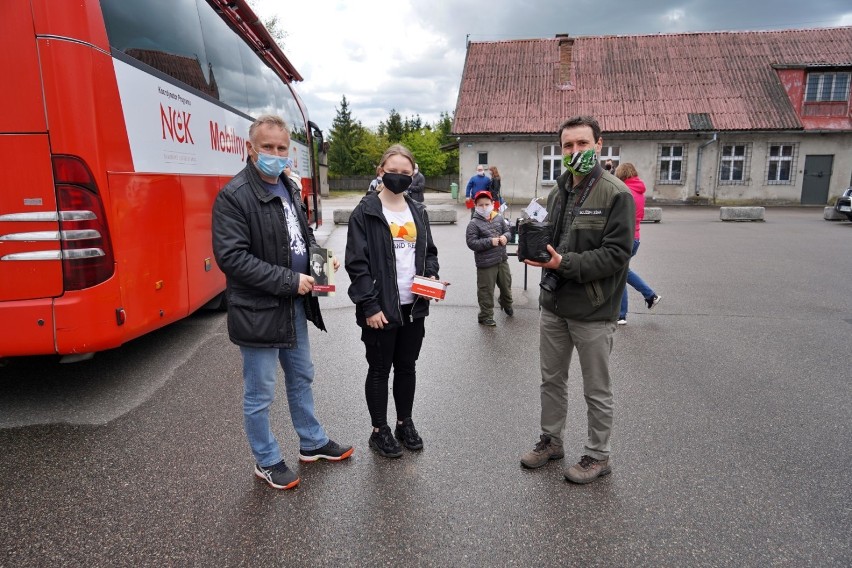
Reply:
x=369 y=152
x=448 y=142
x=394 y=127
x=426 y=147
x=346 y=136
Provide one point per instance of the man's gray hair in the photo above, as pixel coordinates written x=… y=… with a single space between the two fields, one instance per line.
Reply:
x=268 y=119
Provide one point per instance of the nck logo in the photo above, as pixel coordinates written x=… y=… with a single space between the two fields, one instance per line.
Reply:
x=176 y=123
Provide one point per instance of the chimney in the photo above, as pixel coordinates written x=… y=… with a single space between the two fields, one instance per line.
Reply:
x=566 y=47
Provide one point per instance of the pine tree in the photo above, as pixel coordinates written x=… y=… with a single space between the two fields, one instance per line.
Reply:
x=393 y=127
x=346 y=137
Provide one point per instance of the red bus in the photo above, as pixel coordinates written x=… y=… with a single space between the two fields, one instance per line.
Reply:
x=120 y=122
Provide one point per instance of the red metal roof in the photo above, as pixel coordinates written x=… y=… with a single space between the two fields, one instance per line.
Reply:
x=645 y=83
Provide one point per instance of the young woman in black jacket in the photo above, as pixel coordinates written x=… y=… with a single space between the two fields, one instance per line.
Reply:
x=389 y=242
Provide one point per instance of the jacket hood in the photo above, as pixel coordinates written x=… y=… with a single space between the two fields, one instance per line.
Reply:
x=635 y=184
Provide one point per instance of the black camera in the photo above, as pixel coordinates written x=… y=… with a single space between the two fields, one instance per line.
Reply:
x=549 y=281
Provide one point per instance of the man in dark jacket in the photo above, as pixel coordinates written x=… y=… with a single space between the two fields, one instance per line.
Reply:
x=418 y=185
x=592 y=215
x=261 y=241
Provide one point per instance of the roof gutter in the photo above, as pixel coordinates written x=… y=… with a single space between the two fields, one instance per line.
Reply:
x=698 y=161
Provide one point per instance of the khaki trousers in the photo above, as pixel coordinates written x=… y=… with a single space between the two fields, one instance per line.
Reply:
x=593 y=340
x=486 y=278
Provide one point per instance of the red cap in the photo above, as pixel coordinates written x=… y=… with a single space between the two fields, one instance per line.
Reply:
x=482 y=193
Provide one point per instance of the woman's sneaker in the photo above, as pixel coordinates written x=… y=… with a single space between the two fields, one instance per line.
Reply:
x=332 y=451
x=278 y=476
x=407 y=434
x=383 y=442
x=653 y=301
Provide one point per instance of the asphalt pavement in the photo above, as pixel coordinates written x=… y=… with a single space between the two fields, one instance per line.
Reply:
x=732 y=443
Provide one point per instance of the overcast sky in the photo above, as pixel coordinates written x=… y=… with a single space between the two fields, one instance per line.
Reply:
x=409 y=55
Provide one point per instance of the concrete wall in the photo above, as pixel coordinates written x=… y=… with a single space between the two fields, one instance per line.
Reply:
x=519 y=162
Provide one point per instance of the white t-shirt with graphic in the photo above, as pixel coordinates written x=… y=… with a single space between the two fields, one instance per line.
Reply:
x=404 y=235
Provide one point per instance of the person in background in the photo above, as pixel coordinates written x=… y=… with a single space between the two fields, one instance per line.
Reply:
x=487 y=235
x=418 y=185
x=609 y=167
x=389 y=241
x=261 y=239
x=477 y=182
x=627 y=173
x=374 y=185
x=592 y=214
x=495 y=188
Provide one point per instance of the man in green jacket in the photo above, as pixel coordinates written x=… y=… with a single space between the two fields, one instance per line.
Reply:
x=593 y=215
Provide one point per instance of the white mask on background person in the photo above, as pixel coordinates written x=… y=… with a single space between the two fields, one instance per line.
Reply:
x=484 y=210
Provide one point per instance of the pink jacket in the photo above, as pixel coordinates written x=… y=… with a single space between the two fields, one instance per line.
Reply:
x=637 y=188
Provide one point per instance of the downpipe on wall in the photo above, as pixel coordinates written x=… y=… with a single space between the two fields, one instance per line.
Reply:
x=698 y=166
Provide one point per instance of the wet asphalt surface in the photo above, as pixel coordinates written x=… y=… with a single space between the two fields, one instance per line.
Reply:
x=732 y=443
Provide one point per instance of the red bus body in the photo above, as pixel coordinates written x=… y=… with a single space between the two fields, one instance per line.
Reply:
x=111 y=160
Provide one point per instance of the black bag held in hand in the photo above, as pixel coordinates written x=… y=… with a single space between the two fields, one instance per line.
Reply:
x=533 y=238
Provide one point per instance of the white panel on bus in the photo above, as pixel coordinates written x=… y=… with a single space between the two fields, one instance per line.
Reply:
x=171 y=130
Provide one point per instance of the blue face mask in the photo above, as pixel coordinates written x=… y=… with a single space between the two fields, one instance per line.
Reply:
x=271 y=166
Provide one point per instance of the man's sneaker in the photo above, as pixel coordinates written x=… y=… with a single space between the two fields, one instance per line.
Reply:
x=544 y=451
x=587 y=470
x=278 y=476
x=489 y=322
x=383 y=442
x=407 y=434
x=621 y=321
x=652 y=302
x=332 y=451
x=510 y=311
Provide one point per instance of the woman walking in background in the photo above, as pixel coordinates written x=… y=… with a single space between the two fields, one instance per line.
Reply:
x=389 y=241
x=495 y=187
x=627 y=173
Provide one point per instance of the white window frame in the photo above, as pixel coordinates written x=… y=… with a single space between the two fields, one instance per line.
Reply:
x=555 y=160
x=610 y=153
x=779 y=160
x=665 y=162
x=728 y=159
x=825 y=89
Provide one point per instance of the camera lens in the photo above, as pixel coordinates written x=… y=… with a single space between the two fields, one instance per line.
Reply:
x=549 y=282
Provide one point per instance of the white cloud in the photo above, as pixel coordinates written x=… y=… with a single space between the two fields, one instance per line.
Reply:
x=409 y=55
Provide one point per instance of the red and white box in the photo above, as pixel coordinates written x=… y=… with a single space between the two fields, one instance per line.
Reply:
x=430 y=288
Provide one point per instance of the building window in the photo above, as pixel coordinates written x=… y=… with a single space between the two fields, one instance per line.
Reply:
x=733 y=164
x=482 y=159
x=827 y=87
x=671 y=160
x=551 y=163
x=780 y=165
x=610 y=153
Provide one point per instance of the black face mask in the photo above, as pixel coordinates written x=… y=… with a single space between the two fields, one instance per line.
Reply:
x=397 y=183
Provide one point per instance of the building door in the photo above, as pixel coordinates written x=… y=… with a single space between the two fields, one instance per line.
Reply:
x=817 y=180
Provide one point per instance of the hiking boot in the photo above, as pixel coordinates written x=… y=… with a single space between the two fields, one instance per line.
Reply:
x=488 y=322
x=383 y=442
x=407 y=434
x=544 y=451
x=278 y=476
x=332 y=451
x=587 y=470
x=652 y=302
x=510 y=311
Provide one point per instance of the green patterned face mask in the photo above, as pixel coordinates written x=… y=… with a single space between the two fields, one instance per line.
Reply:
x=580 y=163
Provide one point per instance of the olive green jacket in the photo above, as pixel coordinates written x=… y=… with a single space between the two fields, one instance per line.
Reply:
x=595 y=248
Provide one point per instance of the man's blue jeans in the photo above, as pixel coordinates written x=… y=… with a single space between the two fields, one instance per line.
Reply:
x=634 y=280
x=260 y=372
